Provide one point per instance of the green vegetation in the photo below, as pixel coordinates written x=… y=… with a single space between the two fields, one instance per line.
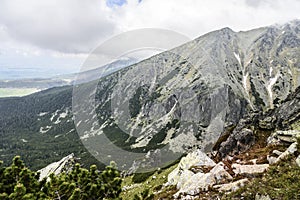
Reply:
x=144 y=195
x=16 y=92
x=19 y=182
x=151 y=184
x=281 y=181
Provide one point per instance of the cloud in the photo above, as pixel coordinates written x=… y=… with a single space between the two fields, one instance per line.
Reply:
x=196 y=17
x=61 y=25
x=67 y=28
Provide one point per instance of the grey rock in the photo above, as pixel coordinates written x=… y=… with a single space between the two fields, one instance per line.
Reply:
x=64 y=165
x=195 y=158
x=238 y=141
x=262 y=197
x=298 y=160
x=220 y=173
x=290 y=151
x=288 y=136
x=249 y=169
x=271 y=159
x=278 y=153
x=267 y=123
x=231 y=187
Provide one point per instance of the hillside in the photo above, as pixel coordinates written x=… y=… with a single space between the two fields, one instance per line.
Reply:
x=159 y=108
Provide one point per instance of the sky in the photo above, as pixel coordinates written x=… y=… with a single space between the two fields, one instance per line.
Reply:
x=60 y=34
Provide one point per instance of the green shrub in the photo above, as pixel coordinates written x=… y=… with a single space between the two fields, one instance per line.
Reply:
x=19 y=182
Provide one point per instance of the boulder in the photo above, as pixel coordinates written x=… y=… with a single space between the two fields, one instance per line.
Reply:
x=278 y=137
x=220 y=174
x=231 y=187
x=249 y=169
x=298 y=160
x=196 y=158
x=262 y=197
x=267 y=123
x=290 y=151
x=271 y=159
x=194 y=184
x=240 y=140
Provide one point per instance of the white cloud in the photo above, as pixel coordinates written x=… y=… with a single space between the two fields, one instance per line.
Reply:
x=70 y=29
x=67 y=25
x=196 y=17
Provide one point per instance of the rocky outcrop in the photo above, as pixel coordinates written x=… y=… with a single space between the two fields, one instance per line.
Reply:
x=249 y=169
x=231 y=187
x=191 y=180
x=184 y=171
x=289 y=136
x=64 y=165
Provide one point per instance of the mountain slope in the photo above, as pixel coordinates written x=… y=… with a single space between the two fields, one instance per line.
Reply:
x=174 y=101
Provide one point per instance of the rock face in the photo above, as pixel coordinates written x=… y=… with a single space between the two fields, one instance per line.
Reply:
x=64 y=165
x=289 y=136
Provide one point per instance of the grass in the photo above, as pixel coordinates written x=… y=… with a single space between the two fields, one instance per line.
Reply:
x=282 y=181
x=16 y=92
x=296 y=125
x=154 y=183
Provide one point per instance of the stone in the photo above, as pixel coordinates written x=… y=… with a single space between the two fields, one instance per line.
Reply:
x=271 y=159
x=298 y=160
x=196 y=158
x=184 y=177
x=262 y=197
x=192 y=184
x=267 y=123
x=249 y=169
x=289 y=136
x=220 y=173
x=240 y=140
x=278 y=153
x=64 y=165
x=290 y=151
x=231 y=187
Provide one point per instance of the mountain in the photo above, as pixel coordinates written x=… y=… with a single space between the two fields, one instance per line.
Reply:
x=161 y=107
x=16 y=87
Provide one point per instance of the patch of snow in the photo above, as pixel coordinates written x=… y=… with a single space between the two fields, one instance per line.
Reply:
x=78 y=123
x=93 y=132
x=272 y=81
x=61 y=116
x=23 y=140
x=57 y=136
x=237 y=56
x=271 y=70
x=53 y=115
x=245 y=78
x=70 y=131
x=42 y=114
x=45 y=129
x=142 y=141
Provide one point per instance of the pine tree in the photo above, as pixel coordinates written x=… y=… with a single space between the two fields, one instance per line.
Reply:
x=19 y=182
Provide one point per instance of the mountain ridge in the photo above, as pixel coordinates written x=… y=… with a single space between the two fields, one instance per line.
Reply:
x=199 y=90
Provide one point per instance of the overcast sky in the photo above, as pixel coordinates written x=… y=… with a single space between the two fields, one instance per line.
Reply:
x=61 y=33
